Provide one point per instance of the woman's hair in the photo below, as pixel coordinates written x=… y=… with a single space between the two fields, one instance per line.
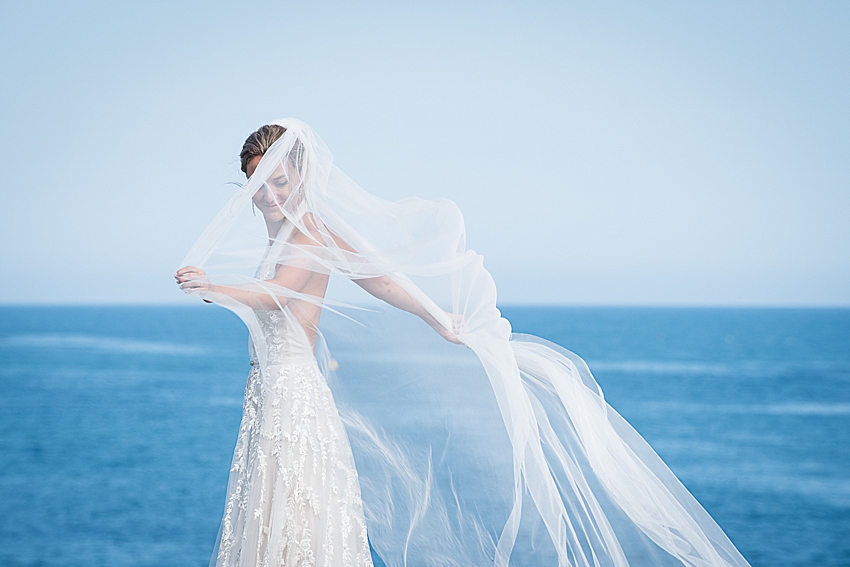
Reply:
x=259 y=142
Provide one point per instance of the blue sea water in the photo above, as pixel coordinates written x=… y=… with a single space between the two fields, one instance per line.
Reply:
x=117 y=424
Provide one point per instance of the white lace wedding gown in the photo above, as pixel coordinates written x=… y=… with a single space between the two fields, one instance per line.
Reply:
x=294 y=497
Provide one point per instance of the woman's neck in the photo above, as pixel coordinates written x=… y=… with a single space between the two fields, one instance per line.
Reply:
x=274 y=227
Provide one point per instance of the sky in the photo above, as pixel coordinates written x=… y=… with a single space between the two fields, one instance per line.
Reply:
x=606 y=153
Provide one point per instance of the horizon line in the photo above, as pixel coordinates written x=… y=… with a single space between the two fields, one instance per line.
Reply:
x=562 y=305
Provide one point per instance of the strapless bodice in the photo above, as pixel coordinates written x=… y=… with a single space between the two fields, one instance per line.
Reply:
x=285 y=341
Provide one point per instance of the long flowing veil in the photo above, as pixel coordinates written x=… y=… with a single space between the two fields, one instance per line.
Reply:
x=502 y=453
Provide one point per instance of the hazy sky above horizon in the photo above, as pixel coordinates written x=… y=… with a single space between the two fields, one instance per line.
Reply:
x=609 y=153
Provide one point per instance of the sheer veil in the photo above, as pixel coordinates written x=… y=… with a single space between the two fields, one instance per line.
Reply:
x=504 y=452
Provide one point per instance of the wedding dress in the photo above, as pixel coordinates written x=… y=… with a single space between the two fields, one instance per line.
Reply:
x=505 y=453
x=293 y=497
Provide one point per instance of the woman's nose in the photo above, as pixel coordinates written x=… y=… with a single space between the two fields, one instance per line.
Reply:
x=268 y=197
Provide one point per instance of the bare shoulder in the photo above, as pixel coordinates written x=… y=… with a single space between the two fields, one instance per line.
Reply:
x=313 y=234
x=319 y=234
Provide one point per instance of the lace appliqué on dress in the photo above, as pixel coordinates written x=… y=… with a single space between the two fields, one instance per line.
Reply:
x=294 y=495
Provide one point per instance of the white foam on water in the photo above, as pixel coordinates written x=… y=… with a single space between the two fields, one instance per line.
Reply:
x=790 y=409
x=103 y=344
x=748 y=368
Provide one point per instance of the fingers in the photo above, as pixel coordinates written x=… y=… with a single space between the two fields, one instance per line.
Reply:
x=457 y=322
x=192 y=279
x=192 y=286
x=451 y=337
x=188 y=273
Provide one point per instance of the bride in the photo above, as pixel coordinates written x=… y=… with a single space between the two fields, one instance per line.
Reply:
x=568 y=481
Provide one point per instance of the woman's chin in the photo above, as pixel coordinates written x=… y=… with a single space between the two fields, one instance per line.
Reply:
x=273 y=215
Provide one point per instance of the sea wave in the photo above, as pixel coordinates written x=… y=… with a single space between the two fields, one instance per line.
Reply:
x=660 y=367
x=746 y=368
x=98 y=343
x=788 y=409
x=772 y=478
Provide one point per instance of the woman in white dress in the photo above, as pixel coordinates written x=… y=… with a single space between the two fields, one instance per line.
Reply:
x=293 y=496
x=590 y=484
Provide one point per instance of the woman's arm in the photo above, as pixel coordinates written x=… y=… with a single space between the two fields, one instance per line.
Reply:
x=193 y=280
x=294 y=278
x=388 y=290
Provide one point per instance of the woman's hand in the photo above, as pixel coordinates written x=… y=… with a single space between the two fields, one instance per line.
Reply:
x=192 y=279
x=451 y=334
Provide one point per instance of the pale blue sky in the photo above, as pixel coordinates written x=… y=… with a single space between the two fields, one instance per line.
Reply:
x=639 y=153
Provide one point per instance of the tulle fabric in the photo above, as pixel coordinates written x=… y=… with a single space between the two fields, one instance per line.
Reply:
x=503 y=453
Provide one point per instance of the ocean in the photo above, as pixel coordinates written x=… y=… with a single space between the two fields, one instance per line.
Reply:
x=117 y=424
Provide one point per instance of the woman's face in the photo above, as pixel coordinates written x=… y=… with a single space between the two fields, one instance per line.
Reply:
x=275 y=191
